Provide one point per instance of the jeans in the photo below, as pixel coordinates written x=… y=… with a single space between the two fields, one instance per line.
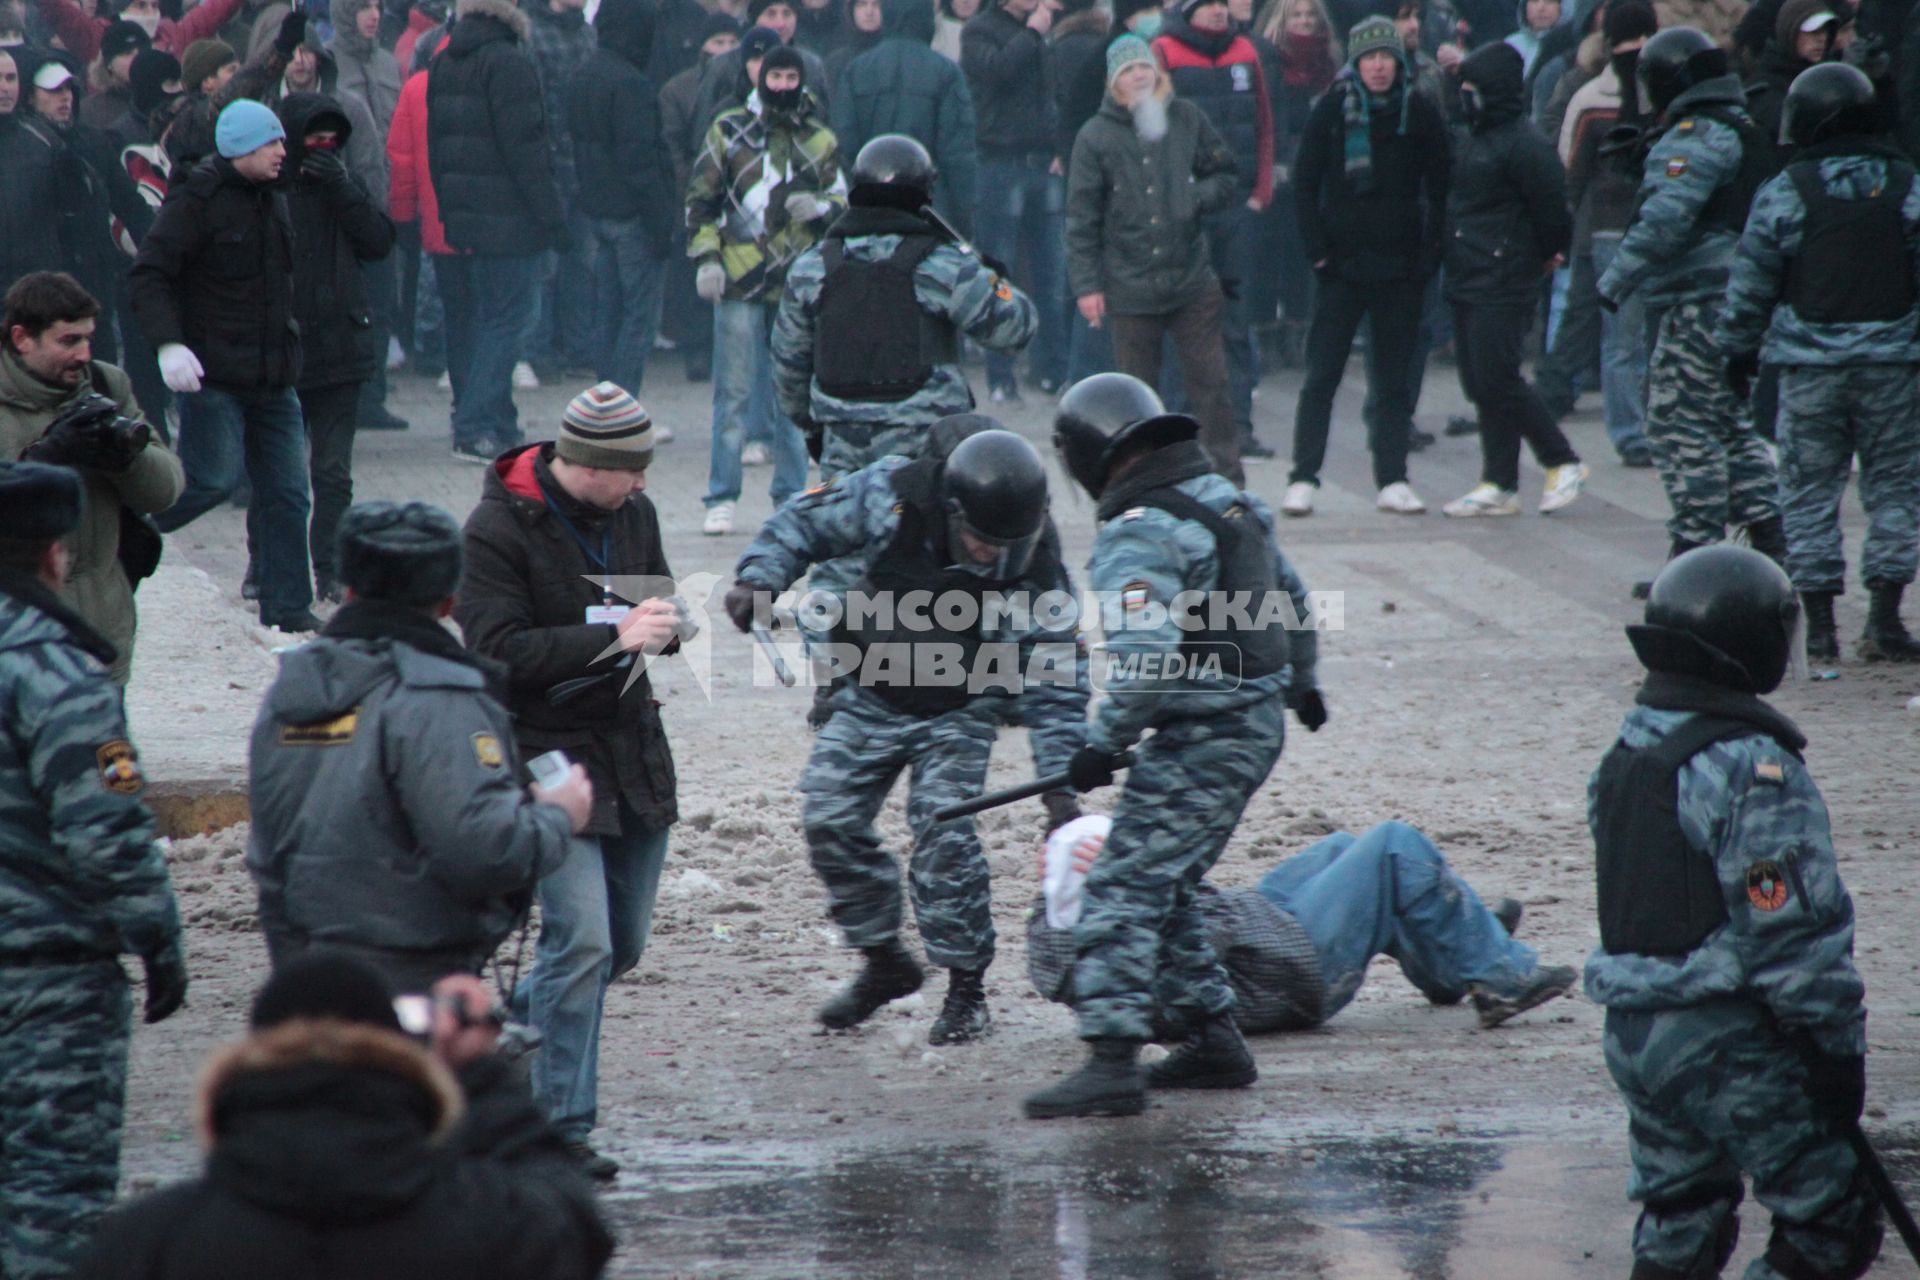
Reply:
x=1394 y=306
x=222 y=432
x=1023 y=222
x=490 y=300
x=1231 y=242
x=1390 y=892
x=742 y=395
x=687 y=316
x=1623 y=357
x=1487 y=340
x=1577 y=339
x=596 y=910
x=627 y=300
x=1195 y=329
x=563 y=326
x=331 y=413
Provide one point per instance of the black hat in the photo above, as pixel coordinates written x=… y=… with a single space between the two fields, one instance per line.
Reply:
x=757 y=43
x=403 y=554
x=718 y=24
x=325 y=986
x=1629 y=20
x=38 y=503
x=995 y=488
x=121 y=37
x=893 y=171
x=1675 y=61
x=784 y=58
x=1099 y=415
x=1721 y=613
x=152 y=71
x=1827 y=99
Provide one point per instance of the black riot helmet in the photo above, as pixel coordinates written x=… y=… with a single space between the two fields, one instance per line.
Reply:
x=1101 y=414
x=893 y=171
x=1674 y=61
x=1722 y=613
x=994 y=487
x=1828 y=99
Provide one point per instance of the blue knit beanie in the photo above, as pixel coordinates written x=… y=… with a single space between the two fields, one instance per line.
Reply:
x=245 y=127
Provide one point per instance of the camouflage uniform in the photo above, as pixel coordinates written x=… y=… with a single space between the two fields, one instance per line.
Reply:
x=1141 y=938
x=1845 y=388
x=1715 y=469
x=81 y=881
x=866 y=744
x=1706 y=1048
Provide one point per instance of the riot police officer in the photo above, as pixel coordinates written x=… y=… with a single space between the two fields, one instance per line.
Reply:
x=925 y=687
x=1824 y=287
x=1172 y=533
x=1735 y=1029
x=1706 y=162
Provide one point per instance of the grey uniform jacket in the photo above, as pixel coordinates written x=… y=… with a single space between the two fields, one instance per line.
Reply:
x=386 y=809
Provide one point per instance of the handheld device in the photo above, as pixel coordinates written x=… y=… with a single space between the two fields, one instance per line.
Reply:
x=550 y=768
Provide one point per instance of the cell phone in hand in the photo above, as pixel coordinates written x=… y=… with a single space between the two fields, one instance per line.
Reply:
x=550 y=769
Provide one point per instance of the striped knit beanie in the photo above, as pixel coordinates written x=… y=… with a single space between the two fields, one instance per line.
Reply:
x=605 y=427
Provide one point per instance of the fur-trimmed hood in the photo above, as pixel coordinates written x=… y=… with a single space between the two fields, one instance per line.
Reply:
x=504 y=12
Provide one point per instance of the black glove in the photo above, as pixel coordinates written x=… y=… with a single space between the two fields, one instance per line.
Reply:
x=1230 y=288
x=1061 y=808
x=326 y=169
x=739 y=604
x=1868 y=54
x=1308 y=707
x=1837 y=1087
x=816 y=437
x=1741 y=371
x=293 y=30
x=994 y=264
x=91 y=433
x=166 y=980
x=1090 y=769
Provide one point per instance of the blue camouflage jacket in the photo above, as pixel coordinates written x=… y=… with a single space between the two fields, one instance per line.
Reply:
x=80 y=873
x=1666 y=255
x=949 y=282
x=857 y=515
x=1142 y=559
x=1752 y=807
x=1756 y=302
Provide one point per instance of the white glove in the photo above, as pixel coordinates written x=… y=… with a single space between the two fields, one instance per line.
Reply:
x=804 y=206
x=1062 y=883
x=710 y=281
x=180 y=368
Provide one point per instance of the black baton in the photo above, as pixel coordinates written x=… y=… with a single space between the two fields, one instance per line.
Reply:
x=1883 y=1187
x=1025 y=791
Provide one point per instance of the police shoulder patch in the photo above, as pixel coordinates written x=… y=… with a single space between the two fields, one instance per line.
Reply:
x=325 y=733
x=1769 y=771
x=1766 y=886
x=119 y=768
x=1677 y=167
x=1135 y=595
x=1002 y=290
x=1685 y=126
x=486 y=749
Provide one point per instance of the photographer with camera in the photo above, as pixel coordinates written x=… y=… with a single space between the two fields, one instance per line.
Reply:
x=337 y=1129
x=58 y=405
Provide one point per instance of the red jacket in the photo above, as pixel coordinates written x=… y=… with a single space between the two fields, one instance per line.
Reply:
x=81 y=34
x=1231 y=88
x=411 y=197
x=418 y=24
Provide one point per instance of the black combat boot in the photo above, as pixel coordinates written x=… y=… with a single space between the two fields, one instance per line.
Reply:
x=1886 y=638
x=964 y=1016
x=1823 y=640
x=1213 y=1057
x=1111 y=1084
x=1769 y=538
x=889 y=974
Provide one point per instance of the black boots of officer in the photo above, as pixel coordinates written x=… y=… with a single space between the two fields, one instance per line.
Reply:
x=1769 y=538
x=1215 y=1056
x=1111 y=1084
x=890 y=973
x=1823 y=639
x=1886 y=638
x=964 y=1016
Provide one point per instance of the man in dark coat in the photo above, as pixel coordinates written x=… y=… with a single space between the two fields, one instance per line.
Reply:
x=492 y=167
x=29 y=236
x=626 y=188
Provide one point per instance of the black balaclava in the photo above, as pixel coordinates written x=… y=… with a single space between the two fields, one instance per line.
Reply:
x=784 y=58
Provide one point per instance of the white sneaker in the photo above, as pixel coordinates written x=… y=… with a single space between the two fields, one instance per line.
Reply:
x=755 y=454
x=1485 y=500
x=719 y=519
x=1563 y=486
x=1401 y=500
x=396 y=355
x=524 y=378
x=662 y=433
x=1299 y=499
x=446 y=382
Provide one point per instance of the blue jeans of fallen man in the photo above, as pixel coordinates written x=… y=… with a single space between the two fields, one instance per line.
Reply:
x=261 y=434
x=1390 y=892
x=596 y=911
x=742 y=396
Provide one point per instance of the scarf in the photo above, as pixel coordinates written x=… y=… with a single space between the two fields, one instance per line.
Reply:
x=1357 y=113
x=1305 y=63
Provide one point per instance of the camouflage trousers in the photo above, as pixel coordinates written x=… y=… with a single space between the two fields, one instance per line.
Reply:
x=1714 y=1091
x=1142 y=940
x=1827 y=415
x=63 y=1084
x=855 y=761
x=849 y=448
x=1715 y=469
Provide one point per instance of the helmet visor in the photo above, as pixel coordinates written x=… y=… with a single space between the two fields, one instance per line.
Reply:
x=995 y=557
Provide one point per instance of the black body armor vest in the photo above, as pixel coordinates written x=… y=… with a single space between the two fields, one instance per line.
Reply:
x=1846 y=272
x=876 y=342
x=1246 y=568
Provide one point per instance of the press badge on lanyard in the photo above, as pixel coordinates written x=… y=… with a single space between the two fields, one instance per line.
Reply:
x=607 y=611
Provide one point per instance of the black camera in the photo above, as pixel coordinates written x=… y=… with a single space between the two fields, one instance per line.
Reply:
x=91 y=432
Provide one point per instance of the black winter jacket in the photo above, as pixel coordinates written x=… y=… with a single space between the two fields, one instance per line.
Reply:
x=335 y=230
x=29 y=236
x=523 y=602
x=626 y=171
x=340 y=1151
x=1395 y=229
x=1010 y=76
x=677 y=28
x=216 y=273
x=1507 y=210
x=487 y=138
